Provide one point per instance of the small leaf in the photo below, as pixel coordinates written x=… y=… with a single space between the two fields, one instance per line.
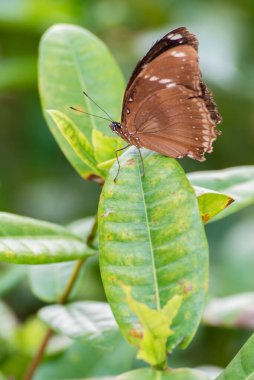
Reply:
x=237 y=182
x=105 y=146
x=242 y=366
x=152 y=239
x=235 y=311
x=28 y=241
x=91 y=321
x=77 y=143
x=154 y=328
x=211 y=202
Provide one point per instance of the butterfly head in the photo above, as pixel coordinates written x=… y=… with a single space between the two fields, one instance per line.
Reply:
x=115 y=126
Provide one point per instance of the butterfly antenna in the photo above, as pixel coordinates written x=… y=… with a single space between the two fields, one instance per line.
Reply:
x=89 y=97
x=90 y=114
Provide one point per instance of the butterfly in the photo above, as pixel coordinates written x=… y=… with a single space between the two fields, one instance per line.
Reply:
x=167 y=107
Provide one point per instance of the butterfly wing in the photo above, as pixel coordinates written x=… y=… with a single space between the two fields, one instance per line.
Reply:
x=167 y=107
x=179 y=36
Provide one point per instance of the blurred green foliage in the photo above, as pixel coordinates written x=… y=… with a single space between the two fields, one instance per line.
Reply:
x=35 y=178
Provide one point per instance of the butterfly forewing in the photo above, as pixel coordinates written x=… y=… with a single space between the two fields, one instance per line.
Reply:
x=167 y=107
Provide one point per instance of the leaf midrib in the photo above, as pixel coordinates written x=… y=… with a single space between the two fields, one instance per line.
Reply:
x=79 y=74
x=150 y=241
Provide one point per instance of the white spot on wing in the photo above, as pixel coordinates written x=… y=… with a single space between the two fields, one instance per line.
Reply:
x=178 y=54
x=171 y=85
x=165 y=80
x=153 y=78
x=175 y=36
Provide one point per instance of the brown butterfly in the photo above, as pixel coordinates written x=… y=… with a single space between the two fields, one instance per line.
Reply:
x=167 y=107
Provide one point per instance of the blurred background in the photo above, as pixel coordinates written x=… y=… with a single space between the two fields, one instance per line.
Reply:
x=37 y=181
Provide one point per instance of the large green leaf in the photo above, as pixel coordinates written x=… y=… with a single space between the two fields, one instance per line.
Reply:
x=236 y=311
x=237 y=182
x=242 y=366
x=73 y=60
x=91 y=321
x=151 y=239
x=28 y=241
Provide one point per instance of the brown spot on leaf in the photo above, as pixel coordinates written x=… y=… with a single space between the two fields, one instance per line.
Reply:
x=96 y=178
x=186 y=286
x=136 y=334
x=206 y=217
x=229 y=201
x=130 y=162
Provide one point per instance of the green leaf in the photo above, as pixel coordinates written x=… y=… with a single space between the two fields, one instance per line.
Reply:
x=235 y=311
x=242 y=366
x=105 y=146
x=57 y=275
x=28 y=241
x=84 y=360
x=106 y=164
x=91 y=321
x=237 y=182
x=77 y=143
x=73 y=60
x=151 y=238
x=154 y=328
x=82 y=228
x=152 y=374
x=10 y=277
x=211 y=202
x=8 y=322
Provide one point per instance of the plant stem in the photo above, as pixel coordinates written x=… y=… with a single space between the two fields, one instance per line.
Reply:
x=37 y=358
x=62 y=300
x=71 y=282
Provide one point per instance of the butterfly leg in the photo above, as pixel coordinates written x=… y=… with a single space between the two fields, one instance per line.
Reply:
x=142 y=162
x=119 y=150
